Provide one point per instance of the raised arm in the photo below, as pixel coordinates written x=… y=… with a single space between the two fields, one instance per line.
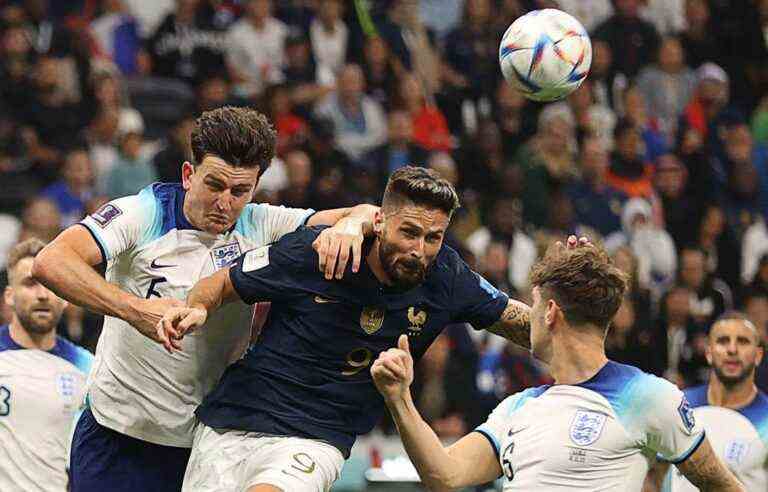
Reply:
x=66 y=266
x=470 y=461
x=514 y=324
x=705 y=470
x=335 y=244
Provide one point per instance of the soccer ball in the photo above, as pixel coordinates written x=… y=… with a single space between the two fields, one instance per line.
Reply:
x=545 y=54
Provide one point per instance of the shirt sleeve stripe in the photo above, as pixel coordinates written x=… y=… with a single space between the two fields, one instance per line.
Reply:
x=494 y=443
x=99 y=242
x=687 y=454
x=310 y=213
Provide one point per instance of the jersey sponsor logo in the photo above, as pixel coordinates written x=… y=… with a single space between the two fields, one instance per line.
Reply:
x=224 y=255
x=371 y=319
x=155 y=264
x=587 y=427
x=256 y=259
x=106 y=214
x=325 y=300
x=736 y=451
x=686 y=414
x=417 y=320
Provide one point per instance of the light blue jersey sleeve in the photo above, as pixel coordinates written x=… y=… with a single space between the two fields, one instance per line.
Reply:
x=664 y=419
x=495 y=428
x=268 y=223
x=125 y=222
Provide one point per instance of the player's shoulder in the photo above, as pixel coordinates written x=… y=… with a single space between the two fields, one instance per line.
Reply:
x=74 y=354
x=757 y=413
x=256 y=217
x=628 y=389
x=514 y=402
x=6 y=342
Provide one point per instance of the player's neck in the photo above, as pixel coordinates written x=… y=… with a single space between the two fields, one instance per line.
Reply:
x=576 y=359
x=374 y=262
x=39 y=341
x=734 y=397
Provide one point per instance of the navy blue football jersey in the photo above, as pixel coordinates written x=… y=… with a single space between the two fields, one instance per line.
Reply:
x=309 y=373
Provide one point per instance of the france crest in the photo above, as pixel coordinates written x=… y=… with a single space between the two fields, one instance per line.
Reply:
x=587 y=427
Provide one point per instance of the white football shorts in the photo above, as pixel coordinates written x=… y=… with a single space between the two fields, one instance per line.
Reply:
x=225 y=460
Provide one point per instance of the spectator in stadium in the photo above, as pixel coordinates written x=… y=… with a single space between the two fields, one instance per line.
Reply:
x=652 y=246
x=214 y=92
x=759 y=283
x=54 y=118
x=719 y=244
x=291 y=128
x=678 y=341
x=430 y=129
x=399 y=150
x=43 y=381
x=514 y=122
x=635 y=111
x=40 y=219
x=682 y=210
x=607 y=84
x=381 y=70
x=596 y=204
x=629 y=172
x=667 y=16
x=637 y=38
x=48 y=36
x=358 y=120
x=740 y=198
x=300 y=190
x=667 y=85
x=101 y=136
x=174 y=150
x=133 y=170
x=471 y=52
x=117 y=36
x=505 y=226
x=710 y=296
x=591 y=119
x=16 y=66
x=185 y=45
x=74 y=189
x=548 y=160
x=109 y=94
x=255 y=48
x=591 y=13
x=698 y=40
x=329 y=37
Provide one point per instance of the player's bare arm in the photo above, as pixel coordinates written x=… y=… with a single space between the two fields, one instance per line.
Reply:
x=705 y=470
x=66 y=266
x=470 y=461
x=514 y=324
x=335 y=244
x=205 y=297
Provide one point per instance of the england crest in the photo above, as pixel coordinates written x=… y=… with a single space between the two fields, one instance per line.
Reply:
x=587 y=427
x=686 y=413
x=224 y=255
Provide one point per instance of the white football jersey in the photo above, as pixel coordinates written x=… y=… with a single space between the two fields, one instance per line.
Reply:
x=41 y=392
x=136 y=387
x=598 y=435
x=739 y=438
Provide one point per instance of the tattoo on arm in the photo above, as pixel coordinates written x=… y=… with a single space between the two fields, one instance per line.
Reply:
x=514 y=324
x=705 y=470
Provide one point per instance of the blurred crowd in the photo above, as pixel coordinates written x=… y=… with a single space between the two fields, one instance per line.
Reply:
x=661 y=155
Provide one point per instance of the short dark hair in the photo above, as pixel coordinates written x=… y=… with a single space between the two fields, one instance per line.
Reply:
x=28 y=248
x=419 y=186
x=243 y=137
x=583 y=281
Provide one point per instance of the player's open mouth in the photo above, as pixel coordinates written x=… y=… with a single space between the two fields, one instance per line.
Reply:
x=44 y=311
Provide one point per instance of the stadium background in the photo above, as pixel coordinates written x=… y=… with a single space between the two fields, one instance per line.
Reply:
x=662 y=154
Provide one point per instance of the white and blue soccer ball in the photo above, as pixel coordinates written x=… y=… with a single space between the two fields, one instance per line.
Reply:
x=545 y=54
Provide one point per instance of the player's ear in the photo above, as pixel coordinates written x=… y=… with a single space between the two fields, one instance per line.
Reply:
x=759 y=356
x=8 y=296
x=708 y=353
x=378 y=222
x=551 y=313
x=187 y=170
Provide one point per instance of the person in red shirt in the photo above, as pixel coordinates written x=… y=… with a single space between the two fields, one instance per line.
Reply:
x=430 y=129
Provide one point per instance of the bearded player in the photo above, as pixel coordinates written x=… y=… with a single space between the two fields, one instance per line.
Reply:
x=136 y=433
x=730 y=407
x=594 y=429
